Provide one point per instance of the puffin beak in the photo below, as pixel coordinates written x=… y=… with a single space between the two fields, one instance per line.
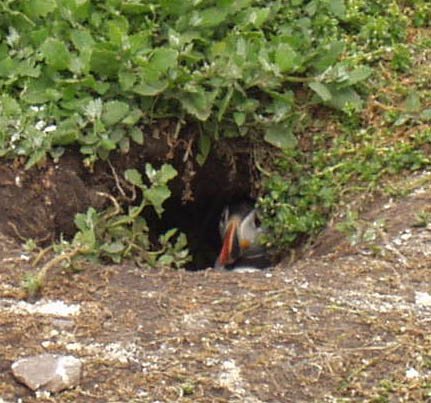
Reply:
x=230 y=250
x=233 y=247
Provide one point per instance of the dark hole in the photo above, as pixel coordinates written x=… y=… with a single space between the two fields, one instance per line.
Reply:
x=199 y=220
x=224 y=179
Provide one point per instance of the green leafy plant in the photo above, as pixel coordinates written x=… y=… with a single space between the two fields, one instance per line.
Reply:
x=422 y=219
x=301 y=195
x=95 y=70
x=114 y=234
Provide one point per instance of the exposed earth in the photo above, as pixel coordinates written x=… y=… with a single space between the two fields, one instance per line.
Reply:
x=348 y=320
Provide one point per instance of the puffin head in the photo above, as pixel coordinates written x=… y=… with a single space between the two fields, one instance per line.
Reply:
x=240 y=233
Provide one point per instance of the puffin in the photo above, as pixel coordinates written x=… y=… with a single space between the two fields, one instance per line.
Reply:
x=240 y=231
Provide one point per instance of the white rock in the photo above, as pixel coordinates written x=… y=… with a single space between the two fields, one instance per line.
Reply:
x=48 y=372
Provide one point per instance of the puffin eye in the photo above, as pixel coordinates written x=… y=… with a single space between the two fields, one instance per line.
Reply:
x=224 y=219
x=257 y=222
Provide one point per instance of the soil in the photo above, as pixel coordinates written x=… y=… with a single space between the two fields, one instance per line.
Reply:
x=344 y=322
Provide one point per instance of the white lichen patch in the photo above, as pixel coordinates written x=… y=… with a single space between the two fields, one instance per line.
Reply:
x=231 y=379
x=121 y=352
x=42 y=307
x=423 y=299
x=384 y=303
x=411 y=373
x=196 y=319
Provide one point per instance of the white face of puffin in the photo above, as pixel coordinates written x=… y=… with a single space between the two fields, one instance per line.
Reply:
x=249 y=231
x=224 y=221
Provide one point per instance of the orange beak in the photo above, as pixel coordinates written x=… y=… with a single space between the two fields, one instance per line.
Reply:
x=233 y=247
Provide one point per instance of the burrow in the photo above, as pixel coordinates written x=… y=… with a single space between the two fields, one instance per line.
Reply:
x=40 y=203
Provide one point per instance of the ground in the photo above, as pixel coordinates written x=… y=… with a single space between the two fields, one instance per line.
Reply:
x=344 y=320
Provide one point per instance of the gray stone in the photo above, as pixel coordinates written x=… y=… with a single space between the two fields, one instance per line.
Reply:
x=48 y=372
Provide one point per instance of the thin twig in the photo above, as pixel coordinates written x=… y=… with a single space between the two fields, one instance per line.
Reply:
x=41 y=254
x=117 y=180
x=57 y=260
x=117 y=208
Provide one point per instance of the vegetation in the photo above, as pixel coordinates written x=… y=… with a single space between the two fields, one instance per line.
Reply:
x=113 y=235
x=354 y=149
x=336 y=87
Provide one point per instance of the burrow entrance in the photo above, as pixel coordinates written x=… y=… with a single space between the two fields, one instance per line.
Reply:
x=41 y=203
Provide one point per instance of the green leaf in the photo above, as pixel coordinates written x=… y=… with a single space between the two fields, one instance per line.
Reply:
x=311 y=8
x=166 y=260
x=207 y=18
x=163 y=59
x=177 y=40
x=67 y=133
x=157 y=195
x=27 y=68
x=168 y=235
x=280 y=136
x=85 y=239
x=80 y=221
x=105 y=62
x=329 y=55
x=137 y=135
x=35 y=158
x=338 y=8
x=426 y=115
x=413 y=103
x=94 y=109
x=224 y=104
x=40 y=8
x=7 y=67
x=359 y=74
x=125 y=145
x=117 y=32
x=402 y=119
x=239 y=118
x=56 y=153
x=113 y=248
x=108 y=144
x=88 y=220
x=35 y=96
x=198 y=103
x=151 y=89
x=204 y=149
x=133 y=117
x=114 y=111
x=82 y=39
x=56 y=54
x=281 y=105
x=9 y=106
x=127 y=80
x=255 y=16
x=321 y=90
x=64 y=138
x=166 y=173
x=39 y=36
x=286 y=58
x=343 y=96
x=134 y=177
